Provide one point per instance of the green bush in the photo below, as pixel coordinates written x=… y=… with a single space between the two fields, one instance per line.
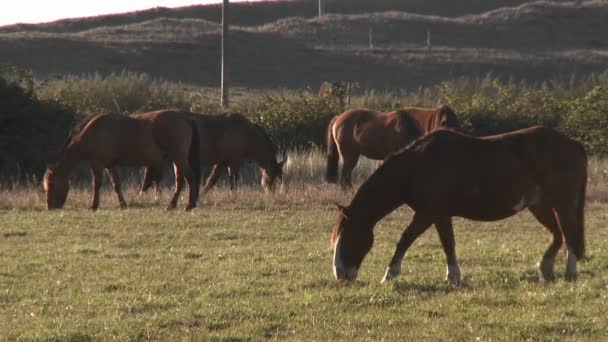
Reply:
x=31 y=130
x=294 y=119
x=485 y=106
x=588 y=119
x=126 y=92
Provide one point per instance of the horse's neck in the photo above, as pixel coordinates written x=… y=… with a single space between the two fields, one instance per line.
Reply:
x=377 y=197
x=67 y=160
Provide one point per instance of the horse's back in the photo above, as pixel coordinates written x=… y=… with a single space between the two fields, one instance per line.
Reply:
x=494 y=173
x=171 y=129
x=227 y=137
x=372 y=134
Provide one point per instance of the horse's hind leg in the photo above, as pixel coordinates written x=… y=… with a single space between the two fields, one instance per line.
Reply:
x=572 y=227
x=546 y=216
x=183 y=171
x=347 y=170
x=179 y=185
x=213 y=177
x=112 y=172
x=419 y=224
x=97 y=172
x=446 y=235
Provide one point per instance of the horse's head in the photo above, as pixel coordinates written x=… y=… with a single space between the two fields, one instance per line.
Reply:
x=273 y=174
x=352 y=241
x=446 y=118
x=56 y=187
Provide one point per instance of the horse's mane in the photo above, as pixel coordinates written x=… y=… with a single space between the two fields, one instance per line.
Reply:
x=74 y=132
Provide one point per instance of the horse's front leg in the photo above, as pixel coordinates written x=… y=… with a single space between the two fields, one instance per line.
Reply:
x=97 y=172
x=213 y=177
x=446 y=235
x=419 y=224
x=112 y=172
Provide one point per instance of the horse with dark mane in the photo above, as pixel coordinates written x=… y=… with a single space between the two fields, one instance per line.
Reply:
x=111 y=140
x=374 y=135
x=446 y=174
x=227 y=140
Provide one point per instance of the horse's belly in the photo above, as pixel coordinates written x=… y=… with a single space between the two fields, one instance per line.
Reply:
x=489 y=215
x=497 y=206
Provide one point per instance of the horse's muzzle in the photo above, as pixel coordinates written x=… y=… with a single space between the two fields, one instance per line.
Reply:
x=349 y=274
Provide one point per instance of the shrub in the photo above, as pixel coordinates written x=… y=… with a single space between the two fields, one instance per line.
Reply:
x=294 y=119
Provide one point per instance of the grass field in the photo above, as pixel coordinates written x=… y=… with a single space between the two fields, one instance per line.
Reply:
x=254 y=266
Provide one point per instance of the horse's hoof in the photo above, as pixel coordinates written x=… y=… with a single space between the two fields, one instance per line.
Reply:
x=570 y=276
x=391 y=272
x=452 y=275
x=170 y=208
x=93 y=209
x=454 y=281
x=545 y=277
x=123 y=206
x=189 y=207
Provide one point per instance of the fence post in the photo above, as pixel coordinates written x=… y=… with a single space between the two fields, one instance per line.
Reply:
x=224 y=82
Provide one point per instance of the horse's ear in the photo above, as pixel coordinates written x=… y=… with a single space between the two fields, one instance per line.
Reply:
x=343 y=211
x=281 y=163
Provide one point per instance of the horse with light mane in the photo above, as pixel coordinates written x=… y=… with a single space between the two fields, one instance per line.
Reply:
x=446 y=174
x=374 y=135
x=227 y=139
x=111 y=140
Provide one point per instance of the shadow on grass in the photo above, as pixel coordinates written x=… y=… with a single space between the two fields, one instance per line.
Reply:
x=14 y=234
x=442 y=288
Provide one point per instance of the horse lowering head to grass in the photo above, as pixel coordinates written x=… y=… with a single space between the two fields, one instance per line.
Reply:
x=227 y=140
x=446 y=174
x=111 y=140
x=362 y=132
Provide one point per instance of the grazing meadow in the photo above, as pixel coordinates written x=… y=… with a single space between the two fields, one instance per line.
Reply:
x=248 y=265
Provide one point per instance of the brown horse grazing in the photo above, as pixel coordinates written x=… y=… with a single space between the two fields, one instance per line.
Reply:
x=227 y=140
x=376 y=134
x=111 y=140
x=446 y=174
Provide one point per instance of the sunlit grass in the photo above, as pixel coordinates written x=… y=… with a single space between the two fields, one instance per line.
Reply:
x=249 y=265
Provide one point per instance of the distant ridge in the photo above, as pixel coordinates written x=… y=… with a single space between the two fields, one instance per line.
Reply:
x=532 y=41
x=252 y=14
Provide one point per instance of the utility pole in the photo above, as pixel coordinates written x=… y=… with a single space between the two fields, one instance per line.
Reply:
x=224 y=84
x=321 y=8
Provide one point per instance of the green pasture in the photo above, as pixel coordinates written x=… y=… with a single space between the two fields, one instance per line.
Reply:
x=253 y=266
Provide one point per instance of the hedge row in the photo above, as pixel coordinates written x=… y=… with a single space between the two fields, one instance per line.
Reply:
x=36 y=116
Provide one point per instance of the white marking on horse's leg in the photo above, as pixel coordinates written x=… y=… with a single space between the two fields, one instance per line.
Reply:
x=571 y=271
x=391 y=272
x=521 y=204
x=338 y=266
x=452 y=274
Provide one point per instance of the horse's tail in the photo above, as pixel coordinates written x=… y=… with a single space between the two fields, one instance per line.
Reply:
x=333 y=156
x=194 y=156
